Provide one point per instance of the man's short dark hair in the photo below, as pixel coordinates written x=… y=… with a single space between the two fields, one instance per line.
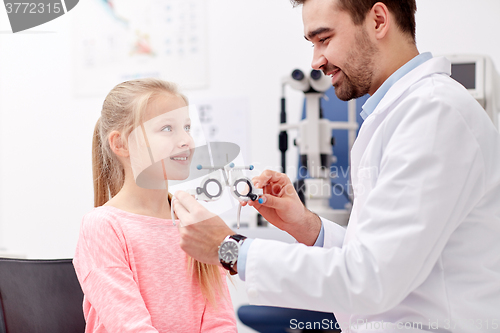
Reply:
x=403 y=10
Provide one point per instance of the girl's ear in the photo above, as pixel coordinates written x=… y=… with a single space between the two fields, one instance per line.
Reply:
x=118 y=144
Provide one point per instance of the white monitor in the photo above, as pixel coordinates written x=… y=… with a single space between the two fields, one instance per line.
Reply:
x=479 y=76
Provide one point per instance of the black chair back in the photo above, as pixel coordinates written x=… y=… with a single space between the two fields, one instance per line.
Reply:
x=40 y=296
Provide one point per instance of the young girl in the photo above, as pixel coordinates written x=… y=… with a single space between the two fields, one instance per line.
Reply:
x=133 y=273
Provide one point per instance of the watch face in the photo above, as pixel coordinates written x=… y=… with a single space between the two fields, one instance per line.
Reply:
x=228 y=251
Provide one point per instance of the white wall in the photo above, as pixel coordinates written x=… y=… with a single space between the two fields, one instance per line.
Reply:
x=45 y=133
x=459 y=26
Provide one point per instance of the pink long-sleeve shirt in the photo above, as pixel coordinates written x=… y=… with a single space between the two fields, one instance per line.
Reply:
x=134 y=277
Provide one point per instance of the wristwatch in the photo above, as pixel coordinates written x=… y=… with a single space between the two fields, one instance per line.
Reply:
x=229 y=250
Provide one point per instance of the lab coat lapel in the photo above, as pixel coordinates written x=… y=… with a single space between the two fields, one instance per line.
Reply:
x=433 y=66
x=360 y=164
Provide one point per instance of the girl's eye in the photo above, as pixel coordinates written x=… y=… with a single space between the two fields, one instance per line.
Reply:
x=167 y=128
x=187 y=128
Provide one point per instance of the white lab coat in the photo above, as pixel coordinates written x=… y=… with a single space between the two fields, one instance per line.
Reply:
x=423 y=241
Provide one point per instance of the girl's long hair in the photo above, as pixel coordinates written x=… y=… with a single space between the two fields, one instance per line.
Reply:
x=122 y=111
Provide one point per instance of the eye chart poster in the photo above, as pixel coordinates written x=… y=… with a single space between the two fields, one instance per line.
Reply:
x=119 y=40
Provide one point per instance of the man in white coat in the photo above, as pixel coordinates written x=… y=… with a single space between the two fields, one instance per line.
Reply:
x=422 y=248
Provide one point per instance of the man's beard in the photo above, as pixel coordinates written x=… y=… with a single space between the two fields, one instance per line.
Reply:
x=359 y=67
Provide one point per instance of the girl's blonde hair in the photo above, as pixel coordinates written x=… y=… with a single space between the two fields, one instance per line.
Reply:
x=122 y=111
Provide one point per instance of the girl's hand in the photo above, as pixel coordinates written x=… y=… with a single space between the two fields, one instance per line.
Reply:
x=201 y=231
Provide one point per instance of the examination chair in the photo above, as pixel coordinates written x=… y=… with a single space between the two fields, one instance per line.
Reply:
x=40 y=296
x=270 y=319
